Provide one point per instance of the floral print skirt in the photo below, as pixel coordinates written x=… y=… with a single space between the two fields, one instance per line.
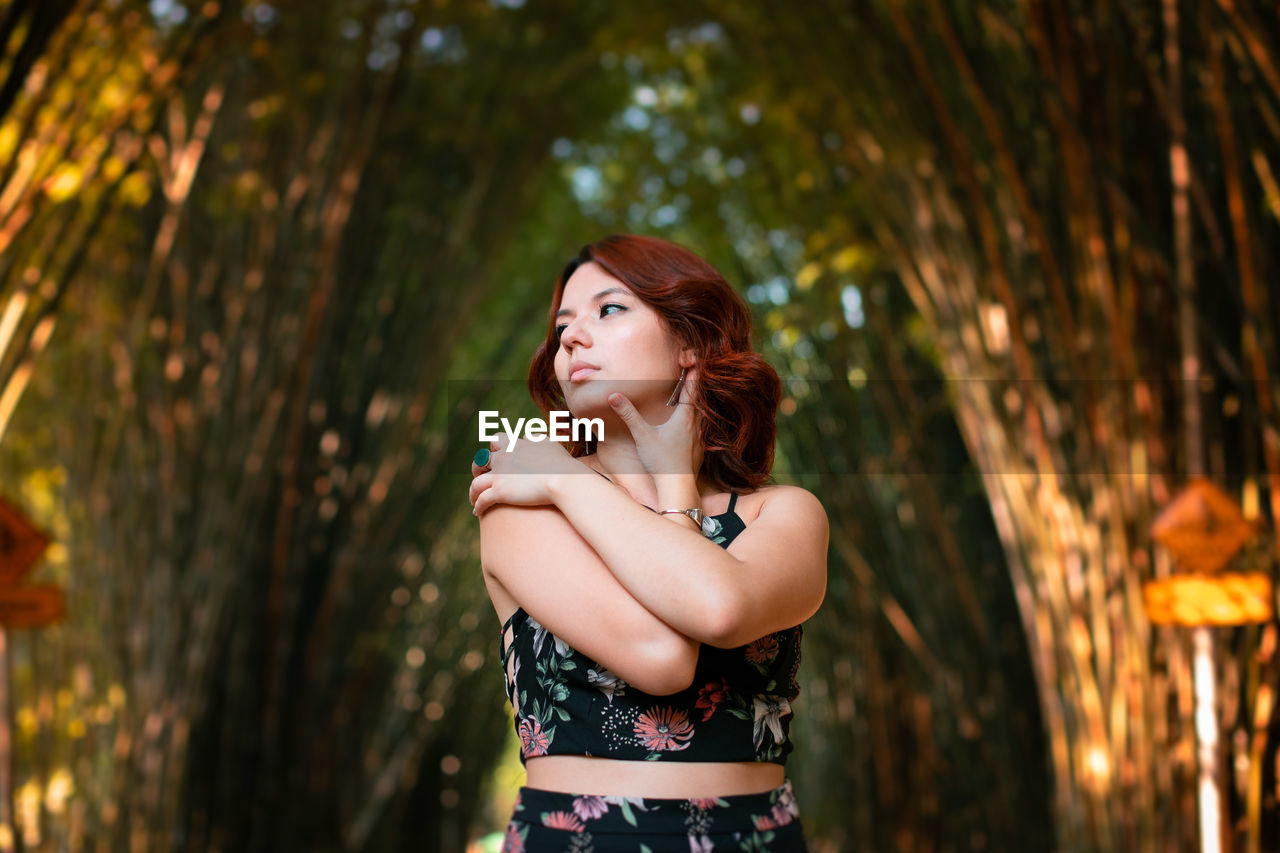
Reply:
x=546 y=821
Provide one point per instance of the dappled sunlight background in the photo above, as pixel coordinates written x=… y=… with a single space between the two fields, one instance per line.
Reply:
x=260 y=261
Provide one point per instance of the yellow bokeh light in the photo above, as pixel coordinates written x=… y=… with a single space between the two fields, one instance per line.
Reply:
x=1097 y=768
x=8 y=140
x=27 y=721
x=64 y=182
x=807 y=275
x=135 y=190
x=845 y=259
x=27 y=806
x=59 y=790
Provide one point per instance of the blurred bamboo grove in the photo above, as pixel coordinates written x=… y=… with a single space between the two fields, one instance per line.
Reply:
x=1015 y=260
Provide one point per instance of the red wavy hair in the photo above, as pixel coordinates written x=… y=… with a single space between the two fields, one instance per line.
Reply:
x=737 y=393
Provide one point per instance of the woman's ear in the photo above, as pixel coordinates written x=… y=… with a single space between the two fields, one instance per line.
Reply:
x=688 y=358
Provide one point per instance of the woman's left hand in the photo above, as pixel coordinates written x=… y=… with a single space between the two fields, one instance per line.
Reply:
x=522 y=475
x=673 y=447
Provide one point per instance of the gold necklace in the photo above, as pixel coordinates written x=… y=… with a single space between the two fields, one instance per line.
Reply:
x=628 y=494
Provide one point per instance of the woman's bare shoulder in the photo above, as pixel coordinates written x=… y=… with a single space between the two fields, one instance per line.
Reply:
x=780 y=489
x=751 y=504
x=507 y=530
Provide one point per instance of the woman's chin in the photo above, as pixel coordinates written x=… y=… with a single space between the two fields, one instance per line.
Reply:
x=590 y=397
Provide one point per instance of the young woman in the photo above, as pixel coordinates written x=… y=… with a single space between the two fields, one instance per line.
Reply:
x=651 y=586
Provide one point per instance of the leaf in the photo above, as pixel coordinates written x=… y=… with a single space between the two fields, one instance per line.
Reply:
x=563 y=714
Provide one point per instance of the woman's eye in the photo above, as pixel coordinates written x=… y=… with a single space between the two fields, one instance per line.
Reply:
x=559 y=330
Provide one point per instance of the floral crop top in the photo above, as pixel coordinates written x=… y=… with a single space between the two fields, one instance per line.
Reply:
x=738 y=707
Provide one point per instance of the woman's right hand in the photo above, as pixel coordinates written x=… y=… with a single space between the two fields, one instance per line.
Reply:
x=671 y=447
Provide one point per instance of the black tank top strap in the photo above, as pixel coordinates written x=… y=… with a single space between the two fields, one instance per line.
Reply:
x=733 y=499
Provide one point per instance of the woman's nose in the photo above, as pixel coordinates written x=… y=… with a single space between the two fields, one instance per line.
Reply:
x=574 y=335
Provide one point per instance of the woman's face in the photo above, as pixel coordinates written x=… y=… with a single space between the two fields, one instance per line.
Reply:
x=603 y=324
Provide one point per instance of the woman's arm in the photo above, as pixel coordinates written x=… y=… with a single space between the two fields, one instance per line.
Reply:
x=772 y=576
x=534 y=554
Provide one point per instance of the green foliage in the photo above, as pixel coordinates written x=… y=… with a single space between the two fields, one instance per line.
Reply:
x=262 y=263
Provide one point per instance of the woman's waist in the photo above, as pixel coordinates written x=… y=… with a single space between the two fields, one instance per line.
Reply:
x=583 y=774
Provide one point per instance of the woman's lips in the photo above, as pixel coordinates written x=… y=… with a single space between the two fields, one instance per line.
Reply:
x=581 y=372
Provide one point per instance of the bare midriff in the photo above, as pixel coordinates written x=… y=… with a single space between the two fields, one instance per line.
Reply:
x=582 y=774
